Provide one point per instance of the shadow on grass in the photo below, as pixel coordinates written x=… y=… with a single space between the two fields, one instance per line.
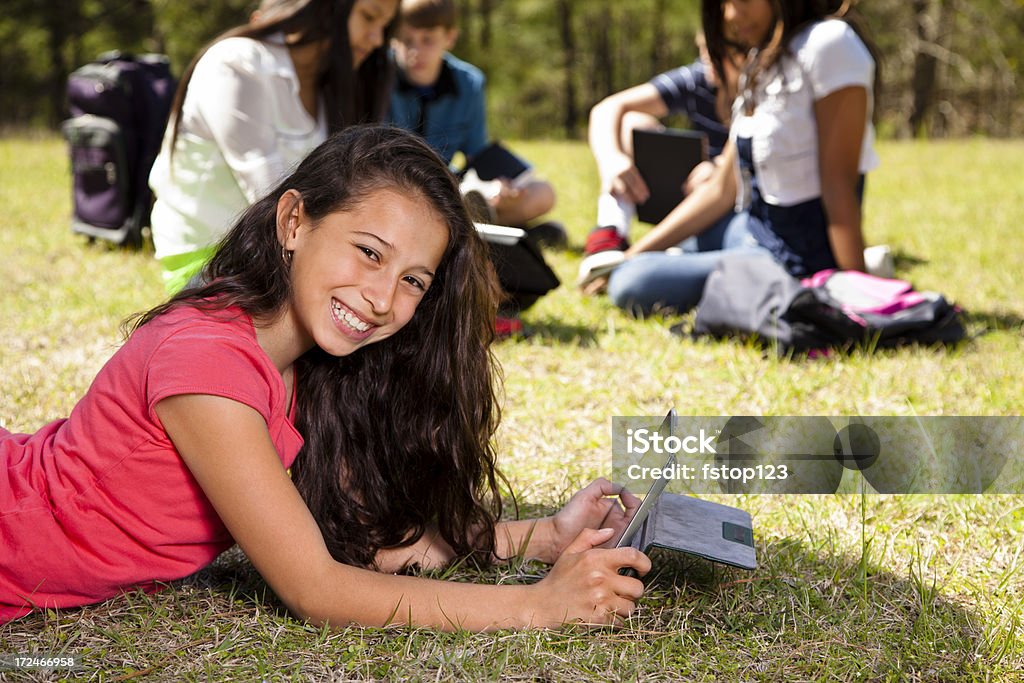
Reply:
x=904 y=261
x=804 y=614
x=979 y=322
x=553 y=331
x=984 y=322
x=825 y=612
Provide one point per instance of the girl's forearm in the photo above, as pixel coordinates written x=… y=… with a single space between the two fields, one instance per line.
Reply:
x=847 y=246
x=844 y=230
x=529 y=538
x=706 y=204
x=699 y=210
x=349 y=595
x=429 y=552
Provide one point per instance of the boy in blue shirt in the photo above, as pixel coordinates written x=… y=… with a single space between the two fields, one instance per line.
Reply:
x=441 y=98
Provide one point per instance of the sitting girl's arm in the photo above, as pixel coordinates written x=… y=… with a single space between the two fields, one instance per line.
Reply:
x=228 y=449
x=841 y=118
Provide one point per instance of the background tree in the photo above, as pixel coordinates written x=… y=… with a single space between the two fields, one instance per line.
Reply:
x=950 y=67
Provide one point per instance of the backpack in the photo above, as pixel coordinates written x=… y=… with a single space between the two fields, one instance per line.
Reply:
x=752 y=294
x=119 y=106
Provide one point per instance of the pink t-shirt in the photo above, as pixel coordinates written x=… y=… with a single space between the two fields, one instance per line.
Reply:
x=101 y=502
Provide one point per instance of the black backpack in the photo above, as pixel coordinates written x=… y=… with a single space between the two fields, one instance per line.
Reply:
x=119 y=106
x=752 y=295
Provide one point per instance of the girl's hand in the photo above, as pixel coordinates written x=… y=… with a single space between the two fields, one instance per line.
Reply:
x=592 y=508
x=585 y=586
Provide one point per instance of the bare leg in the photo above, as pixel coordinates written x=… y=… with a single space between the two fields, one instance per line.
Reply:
x=523 y=204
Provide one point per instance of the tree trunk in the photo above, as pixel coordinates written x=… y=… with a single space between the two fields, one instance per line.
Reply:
x=603 y=59
x=486 y=14
x=58 y=29
x=932 y=37
x=568 y=61
x=658 y=38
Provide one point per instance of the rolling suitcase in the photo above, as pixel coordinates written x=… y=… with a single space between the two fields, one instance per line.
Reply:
x=119 y=106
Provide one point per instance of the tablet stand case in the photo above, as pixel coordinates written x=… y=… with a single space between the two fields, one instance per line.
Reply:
x=713 y=531
x=521 y=269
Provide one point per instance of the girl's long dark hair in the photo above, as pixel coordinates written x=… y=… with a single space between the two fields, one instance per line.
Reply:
x=398 y=435
x=350 y=96
x=791 y=16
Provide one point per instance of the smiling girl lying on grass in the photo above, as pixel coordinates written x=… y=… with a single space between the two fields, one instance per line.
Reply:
x=345 y=335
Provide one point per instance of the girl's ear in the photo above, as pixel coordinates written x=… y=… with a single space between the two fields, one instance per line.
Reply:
x=289 y=218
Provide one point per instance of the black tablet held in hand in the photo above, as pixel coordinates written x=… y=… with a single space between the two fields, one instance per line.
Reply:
x=665 y=160
x=497 y=161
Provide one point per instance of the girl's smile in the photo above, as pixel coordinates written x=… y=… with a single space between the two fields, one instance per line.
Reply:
x=349 y=322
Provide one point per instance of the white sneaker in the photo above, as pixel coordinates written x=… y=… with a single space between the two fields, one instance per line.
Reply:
x=598 y=265
x=878 y=261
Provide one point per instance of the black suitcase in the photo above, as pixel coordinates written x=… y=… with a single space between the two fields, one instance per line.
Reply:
x=119 y=106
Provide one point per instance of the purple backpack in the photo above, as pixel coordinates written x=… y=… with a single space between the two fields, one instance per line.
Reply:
x=752 y=295
x=119 y=106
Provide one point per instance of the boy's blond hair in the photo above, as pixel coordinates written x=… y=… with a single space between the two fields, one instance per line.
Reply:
x=428 y=13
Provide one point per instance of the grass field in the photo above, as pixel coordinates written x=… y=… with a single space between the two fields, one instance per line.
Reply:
x=850 y=588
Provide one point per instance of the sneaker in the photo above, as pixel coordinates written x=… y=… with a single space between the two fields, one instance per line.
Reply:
x=602 y=253
x=598 y=265
x=480 y=210
x=605 y=238
x=548 y=234
x=878 y=261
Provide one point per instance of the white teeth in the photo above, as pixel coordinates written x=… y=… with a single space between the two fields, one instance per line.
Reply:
x=349 y=319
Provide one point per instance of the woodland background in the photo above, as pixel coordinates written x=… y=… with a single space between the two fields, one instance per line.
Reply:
x=951 y=68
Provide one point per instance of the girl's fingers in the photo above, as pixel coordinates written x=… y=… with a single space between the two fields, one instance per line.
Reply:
x=632 y=558
x=588 y=539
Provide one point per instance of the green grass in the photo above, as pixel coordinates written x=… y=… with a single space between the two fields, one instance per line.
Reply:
x=850 y=588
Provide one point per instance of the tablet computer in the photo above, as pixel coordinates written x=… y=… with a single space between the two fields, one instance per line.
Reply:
x=497 y=161
x=635 y=523
x=685 y=524
x=665 y=159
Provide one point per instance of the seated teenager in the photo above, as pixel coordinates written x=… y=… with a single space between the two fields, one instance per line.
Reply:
x=801 y=142
x=442 y=98
x=251 y=105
